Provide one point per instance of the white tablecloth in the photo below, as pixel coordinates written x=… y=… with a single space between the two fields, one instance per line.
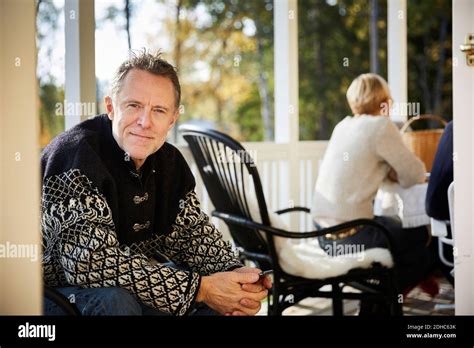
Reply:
x=406 y=203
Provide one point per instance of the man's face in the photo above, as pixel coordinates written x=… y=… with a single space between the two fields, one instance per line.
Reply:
x=142 y=113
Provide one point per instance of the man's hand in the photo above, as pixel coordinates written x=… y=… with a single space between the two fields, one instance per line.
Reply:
x=223 y=293
x=261 y=285
x=264 y=283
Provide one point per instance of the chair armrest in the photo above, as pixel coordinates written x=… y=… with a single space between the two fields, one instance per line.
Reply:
x=289 y=210
x=439 y=228
x=254 y=256
x=240 y=221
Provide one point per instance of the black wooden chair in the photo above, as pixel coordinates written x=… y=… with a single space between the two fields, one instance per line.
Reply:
x=229 y=175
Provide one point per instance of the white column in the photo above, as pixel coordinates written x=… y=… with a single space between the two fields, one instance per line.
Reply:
x=463 y=113
x=397 y=56
x=285 y=14
x=20 y=278
x=80 y=88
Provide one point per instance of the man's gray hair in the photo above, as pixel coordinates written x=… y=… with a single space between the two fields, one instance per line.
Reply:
x=150 y=62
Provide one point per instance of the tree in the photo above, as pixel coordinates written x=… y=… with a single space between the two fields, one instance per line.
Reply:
x=113 y=13
x=339 y=40
x=334 y=47
x=429 y=56
x=50 y=92
x=234 y=61
x=374 y=39
x=224 y=52
x=128 y=15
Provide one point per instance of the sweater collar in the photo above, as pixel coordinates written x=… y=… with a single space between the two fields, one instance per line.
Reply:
x=121 y=158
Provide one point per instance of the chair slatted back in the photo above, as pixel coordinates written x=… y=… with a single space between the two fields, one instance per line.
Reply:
x=231 y=178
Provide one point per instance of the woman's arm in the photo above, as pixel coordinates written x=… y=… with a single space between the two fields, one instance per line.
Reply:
x=409 y=169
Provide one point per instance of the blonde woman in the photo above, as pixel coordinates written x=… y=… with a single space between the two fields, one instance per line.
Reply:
x=363 y=151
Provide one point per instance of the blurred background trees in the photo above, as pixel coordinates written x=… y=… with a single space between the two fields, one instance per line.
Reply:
x=223 y=50
x=334 y=48
x=340 y=39
x=51 y=88
x=430 y=56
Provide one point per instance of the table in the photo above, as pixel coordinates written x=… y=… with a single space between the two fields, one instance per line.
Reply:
x=406 y=203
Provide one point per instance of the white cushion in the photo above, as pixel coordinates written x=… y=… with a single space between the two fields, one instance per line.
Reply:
x=305 y=258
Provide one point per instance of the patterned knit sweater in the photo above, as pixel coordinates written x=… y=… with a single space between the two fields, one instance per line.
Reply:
x=102 y=220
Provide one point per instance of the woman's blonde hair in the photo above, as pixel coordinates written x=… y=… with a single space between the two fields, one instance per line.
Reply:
x=367 y=94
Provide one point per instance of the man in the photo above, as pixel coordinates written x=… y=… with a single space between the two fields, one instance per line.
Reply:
x=442 y=175
x=115 y=195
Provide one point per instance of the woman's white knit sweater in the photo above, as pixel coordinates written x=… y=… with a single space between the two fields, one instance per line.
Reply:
x=358 y=158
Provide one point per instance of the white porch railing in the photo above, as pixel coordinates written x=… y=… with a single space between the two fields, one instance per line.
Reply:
x=274 y=164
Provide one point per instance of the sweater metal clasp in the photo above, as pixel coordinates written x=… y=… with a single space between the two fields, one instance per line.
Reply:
x=139 y=227
x=138 y=199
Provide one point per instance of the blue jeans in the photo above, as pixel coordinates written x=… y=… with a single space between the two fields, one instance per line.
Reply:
x=110 y=301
